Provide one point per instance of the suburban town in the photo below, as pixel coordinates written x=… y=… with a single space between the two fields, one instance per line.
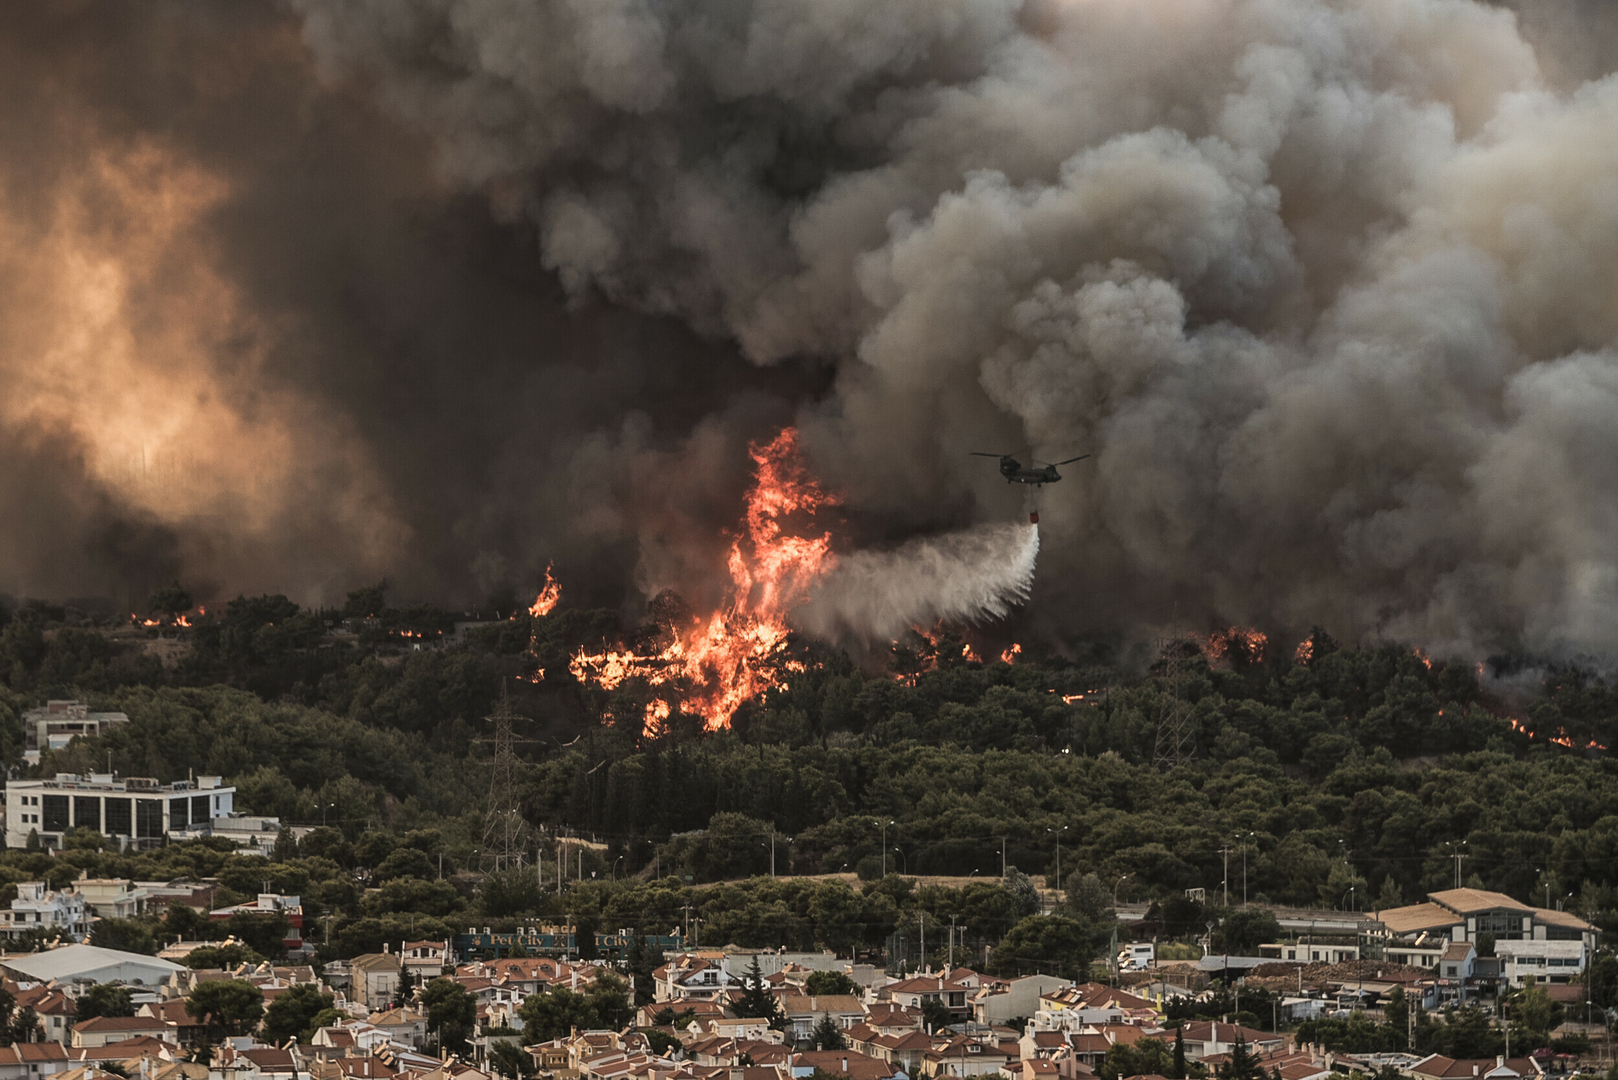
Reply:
x=481 y=1004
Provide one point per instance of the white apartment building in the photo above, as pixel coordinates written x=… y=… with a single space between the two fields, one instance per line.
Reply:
x=37 y=907
x=134 y=811
x=1540 y=961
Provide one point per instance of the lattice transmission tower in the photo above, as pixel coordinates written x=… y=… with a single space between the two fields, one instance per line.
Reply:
x=505 y=832
x=1176 y=742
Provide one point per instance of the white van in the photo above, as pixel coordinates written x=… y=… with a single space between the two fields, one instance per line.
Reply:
x=1137 y=956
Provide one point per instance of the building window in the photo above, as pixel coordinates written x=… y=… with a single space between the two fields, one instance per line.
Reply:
x=120 y=822
x=87 y=812
x=179 y=813
x=148 y=819
x=56 y=813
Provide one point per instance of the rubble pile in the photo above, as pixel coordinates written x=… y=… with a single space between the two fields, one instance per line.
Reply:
x=1284 y=976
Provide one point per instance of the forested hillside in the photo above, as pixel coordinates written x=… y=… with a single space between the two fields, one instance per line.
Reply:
x=1340 y=781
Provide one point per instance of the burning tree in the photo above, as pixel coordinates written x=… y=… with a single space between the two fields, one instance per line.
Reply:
x=711 y=665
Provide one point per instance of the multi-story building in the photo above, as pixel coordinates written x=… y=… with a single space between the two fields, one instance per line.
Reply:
x=58 y=723
x=1418 y=933
x=133 y=811
x=111 y=898
x=38 y=907
x=1542 y=961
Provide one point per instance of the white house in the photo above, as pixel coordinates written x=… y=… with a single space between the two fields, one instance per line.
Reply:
x=38 y=907
x=112 y=898
x=1000 y=1002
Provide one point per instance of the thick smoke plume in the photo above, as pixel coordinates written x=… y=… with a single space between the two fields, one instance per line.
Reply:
x=453 y=287
x=963 y=576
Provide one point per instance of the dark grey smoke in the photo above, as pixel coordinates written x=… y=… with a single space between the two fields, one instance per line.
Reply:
x=1323 y=286
x=249 y=337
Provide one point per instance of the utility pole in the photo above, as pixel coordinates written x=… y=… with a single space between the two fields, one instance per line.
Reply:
x=1002 y=858
x=1058 y=833
x=772 y=851
x=952 y=943
x=1225 y=851
x=1458 y=856
x=924 y=941
x=1245 y=839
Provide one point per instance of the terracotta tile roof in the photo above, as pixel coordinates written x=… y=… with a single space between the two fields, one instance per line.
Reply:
x=1415 y=917
x=1472 y=901
x=271 y=1059
x=32 y=1053
x=847 y=1063
x=109 y=1024
x=1204 y=1031
x=798 y=1004
x=1439 y=1066
x=1560 y=918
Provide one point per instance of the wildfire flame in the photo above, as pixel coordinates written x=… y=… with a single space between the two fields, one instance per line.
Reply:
x=1561 y=738
x=1010 y=655
x=736 y=653
x=548 y=597
x=1305 y=651
x=1239 y=641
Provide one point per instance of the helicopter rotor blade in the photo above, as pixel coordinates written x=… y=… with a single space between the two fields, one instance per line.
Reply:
x=1071 y=460
x=980 y=453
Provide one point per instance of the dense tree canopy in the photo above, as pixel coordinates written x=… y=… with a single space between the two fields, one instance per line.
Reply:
x=1336 y=782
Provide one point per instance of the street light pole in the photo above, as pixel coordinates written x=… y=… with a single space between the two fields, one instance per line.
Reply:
x=1115 y=885
x=1245 y=840
x=1058 y=833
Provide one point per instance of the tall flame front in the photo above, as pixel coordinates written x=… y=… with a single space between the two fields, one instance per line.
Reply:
x=737 y=652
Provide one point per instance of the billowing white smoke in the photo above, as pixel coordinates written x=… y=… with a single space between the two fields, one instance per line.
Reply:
x=965 y=576
x=1326 y=286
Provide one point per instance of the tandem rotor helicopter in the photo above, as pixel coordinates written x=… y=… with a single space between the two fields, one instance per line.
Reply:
x=1038 y=474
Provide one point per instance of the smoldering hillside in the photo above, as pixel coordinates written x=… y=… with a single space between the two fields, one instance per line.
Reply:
x=447 y=288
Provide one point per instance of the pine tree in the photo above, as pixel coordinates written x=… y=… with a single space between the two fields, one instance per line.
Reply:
x=1243 y=1064
x=827 y=1035
x=757 y=1003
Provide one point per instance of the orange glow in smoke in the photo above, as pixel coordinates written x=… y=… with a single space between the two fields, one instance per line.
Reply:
x=548 y=597
x=736 y=653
